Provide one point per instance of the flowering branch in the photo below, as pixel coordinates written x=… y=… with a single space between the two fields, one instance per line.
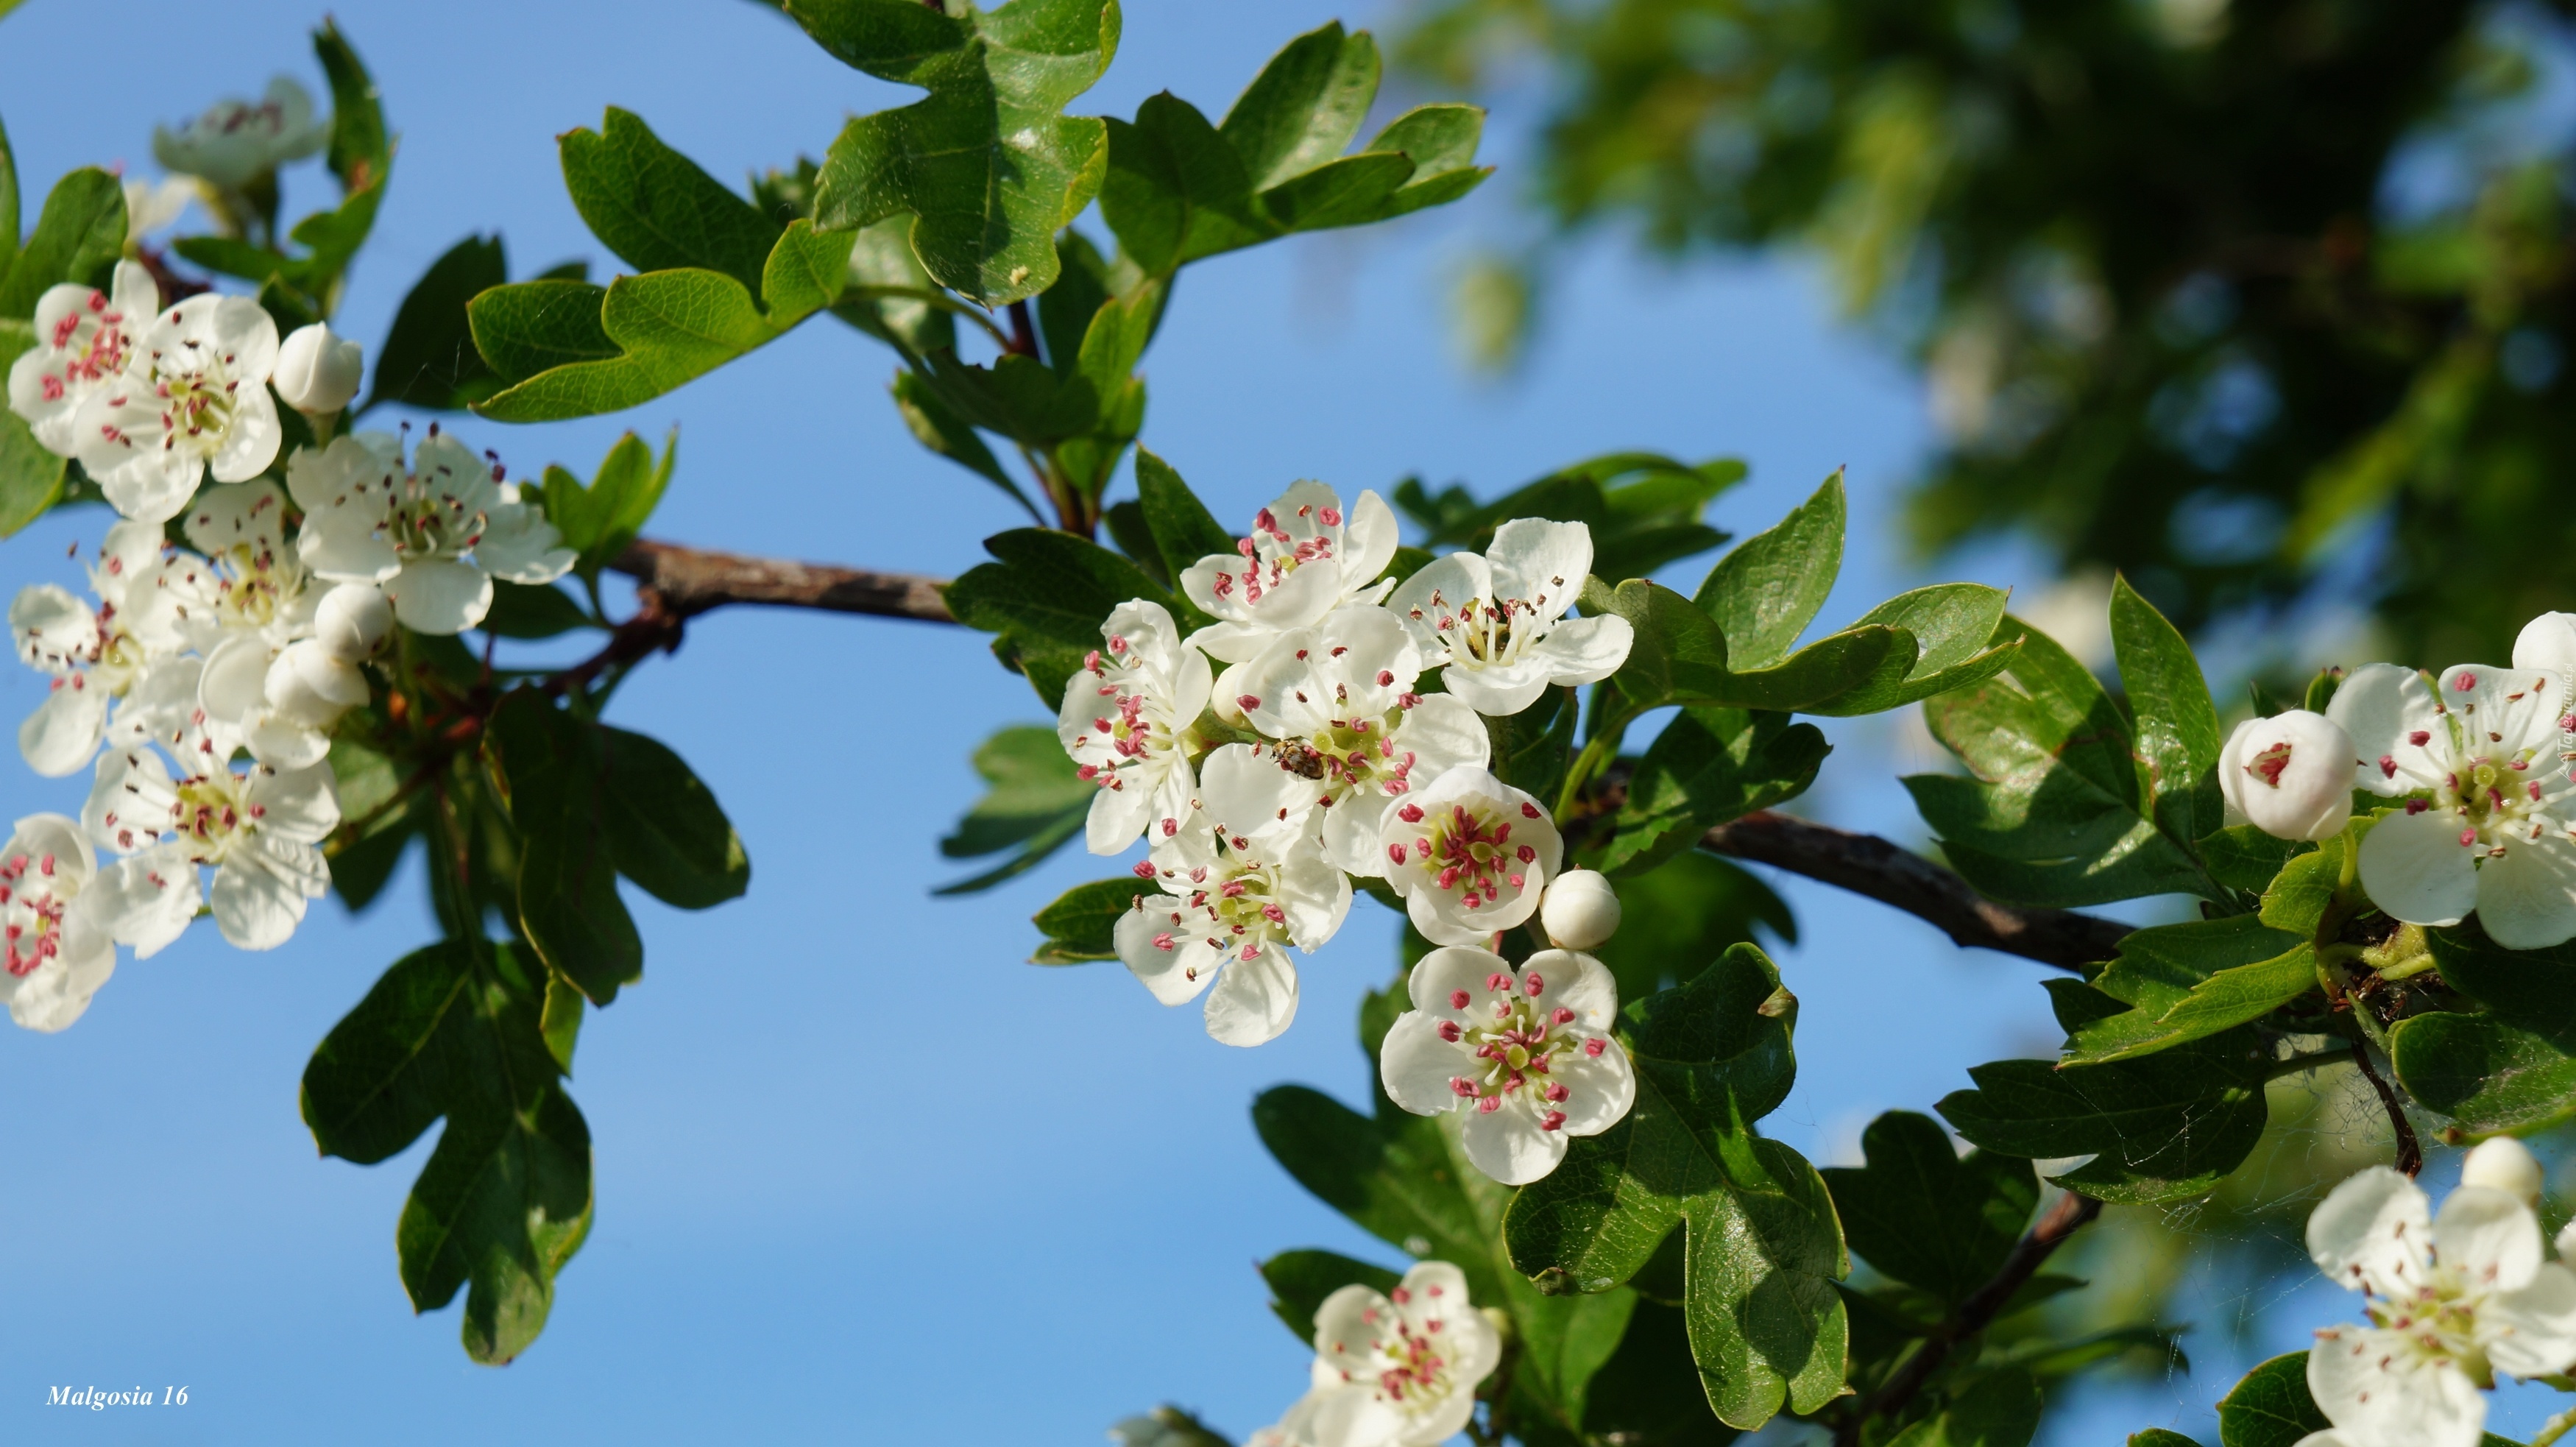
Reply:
x=1868 y=865
x=2061 y=1220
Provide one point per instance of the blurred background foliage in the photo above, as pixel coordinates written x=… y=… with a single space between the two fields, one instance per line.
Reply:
x=2263 y=302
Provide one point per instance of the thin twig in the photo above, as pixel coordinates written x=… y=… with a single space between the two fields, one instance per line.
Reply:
x=1024 y=336
x=1866 y=864
x=2062 y=1220
x=2410 y=1152
x=690 y=581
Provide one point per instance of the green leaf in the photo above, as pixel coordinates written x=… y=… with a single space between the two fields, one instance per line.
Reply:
x=1304 y=107
x=949 y=435
x=1440 y=140
x=1531 y=750
x=2159 y=1128
x=2271 y=1406
x=1762 y=1248
x=988 y=164
x=1300 y=1280
x=79 y=235
x=2176 y=724
x=881 y=258
x=2185 y=982
x=1082 y=924
x=656 y=209
x=504 y=1201
x=428 y=359
x=361 y=149
x=1175 y=192
x=2159 y=1437
x=2000 y=1409
x=2510 y=1070
x=1679 y=917
x=1184 y=530
x=2058 y=808
x=1765 y=593
x=1710 y=765
x=1638 y=525
x=31 y=478
x=1046 y=595
x=1034 y=805
x=600 y=519
x=649 y=333
x=2244 y=857
x=8 y=199
x=1927 y=1216
x=1648 y=1392
x=1679 y=656
x=550 y=771
x=533 y=611
x=1952 y=625
x=665 y=829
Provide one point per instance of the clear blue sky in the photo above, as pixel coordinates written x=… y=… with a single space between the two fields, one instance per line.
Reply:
x=860 y=1171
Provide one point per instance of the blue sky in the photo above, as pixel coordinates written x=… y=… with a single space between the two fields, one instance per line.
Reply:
x=859 y=1170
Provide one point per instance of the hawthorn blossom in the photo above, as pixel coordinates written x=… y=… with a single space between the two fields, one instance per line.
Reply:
x=2548 y=643
x=84 y=340
x=368 y=519
x=257 y=828
x=1525 y=1051
x=1496 y=623
x=1580 y=910
x=1399 y=1369
x=1303 y=559
x=236 y=141
x=318 y=370
x=193 y=397
x=122 y=652
x=55 y=954
x=2289 y=775
x=2488 y=824
x=1338 y=698
x=1234 y=897
x=1125 y=714
x=2451 y=1300
x=1470 y=854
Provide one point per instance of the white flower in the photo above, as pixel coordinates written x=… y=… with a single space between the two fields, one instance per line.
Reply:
x=150 y=206
x=281 y=701
x=1580 y=910
x=2503 y=1164
x=236 y=141
x=2548 y=643
x=1295 y=1429
x=1302 y=560
x=1526 y=1052
x=1125 y=711
x=56 y=955
x=122 y=652
x=2451 y=1301
x=85 y=338
x=2487 y=825
x=1399 y=1370
x=353 y=621
x=1338 y=697
x=1470 y=854
x=318 y=370
x=1497 y=625
x=1233 y=901
x=257 y=829
x=369 y=520
x=2289 y=775
x=194 y=396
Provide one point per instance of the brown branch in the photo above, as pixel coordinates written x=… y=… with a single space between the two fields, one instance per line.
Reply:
x=1868 y=865
x=690 y=581
x=2062 y=1220
x=2410 y=1151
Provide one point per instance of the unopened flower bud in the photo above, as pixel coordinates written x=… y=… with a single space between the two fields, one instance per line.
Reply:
x=2506 y=1165
x=2290 y=775
x=317 y=370
x=1580 y=911
x=309 y=686
x=353 y=621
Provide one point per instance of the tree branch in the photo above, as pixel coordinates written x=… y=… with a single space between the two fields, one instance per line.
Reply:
x=1866 y=864
x=690 y=581
x=2062 y=1220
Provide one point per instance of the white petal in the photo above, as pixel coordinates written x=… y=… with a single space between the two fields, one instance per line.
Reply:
x=2527 y=899
x=2489 y=1236
x=256 y=908
x=2380 y=1396
x=1177 y=968
x=2371 y=1231
x=1369 y=539
x=1254 y=999
x=159 y=704
x=1349 y=1323
x=1580 y=983
x=1496 y=692
x=1354 y=1417
x=1508 y=1145
x=250 y=444
x=299 y=805
x=1541 y=562
x=2548 y=641
x=1600 y=1089
x=63 y=733
x=1117 y=816
x=144 y=900
x=51 y=628
x=439 y=596
x=1416 y=1065
x=1242 y=791
x=2414 y=867
x=520 y=546
x=2383 y=708
x=2532 y=1332
x=251 y=516
x=1453 y=580
x=1586 y=650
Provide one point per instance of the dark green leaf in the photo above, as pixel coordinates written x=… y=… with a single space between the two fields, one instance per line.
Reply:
x=1952 y=625
x=988 y=164
x=2271 y=1406
x=1046 y=595
x=2244 y=857
x=428 y=359
x=2000 y=1409
x=665 y=829
x=1300 y=1280
x=361 y=148
x=1763 y=1251
x=1304 y=107
x=535 y=326
x=1927 y=1216
x=2184 y=982
x=656 y=209
x=2159 y=1437
x=891 y=292
x=1034 y=805
x=31 y=478
x=8 y=204
x=550 y=770
x=1638 y=525
x=1679 y=917
x=533 y=611
x=1175 y=191
x=78 y=237
x=2159 y=1128
x=455 y=1030
x=1710 y=765
x=945 y=433
x=1082 y=924
x=2176 y=724
x=1531 y=750
x=1648 y=1393
x=2489 y=1075
x=1765 y=593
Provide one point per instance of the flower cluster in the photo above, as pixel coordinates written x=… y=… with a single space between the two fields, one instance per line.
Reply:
x=1398 y=1369
x=205 y=681
x=1366 y=761
x=2452 y=1299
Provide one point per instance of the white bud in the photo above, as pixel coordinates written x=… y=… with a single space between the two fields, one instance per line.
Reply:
x=2290 y=775
x=352 y=621
x=2506 y=1165
x=317 y=371
x=1580 y=910
x=310 y=687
